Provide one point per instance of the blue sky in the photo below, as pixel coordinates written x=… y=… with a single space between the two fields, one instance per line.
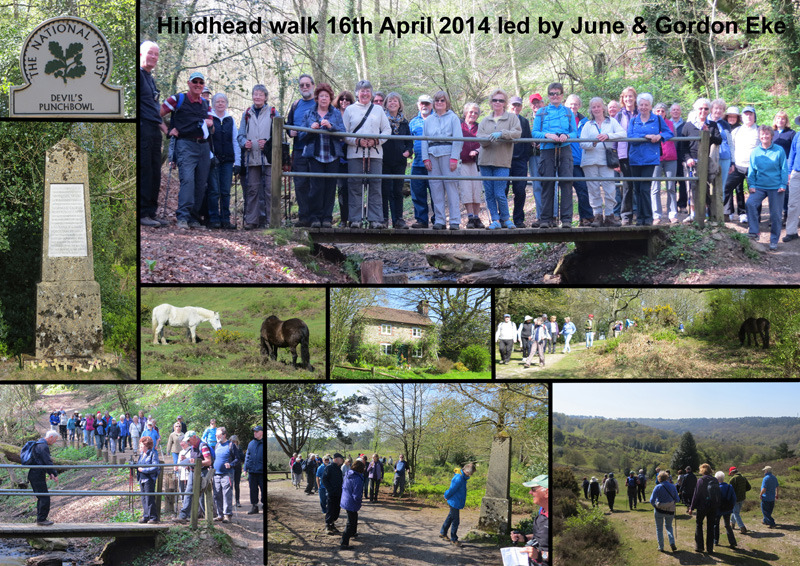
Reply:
x=678 y=400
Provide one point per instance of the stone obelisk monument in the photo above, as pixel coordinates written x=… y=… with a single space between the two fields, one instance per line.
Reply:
x=68 y=316
x=495 y=514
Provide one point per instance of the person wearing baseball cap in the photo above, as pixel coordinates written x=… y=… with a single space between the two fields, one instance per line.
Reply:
x=420 y=188
x=769 y=494
x=740 y=487
x=744 y=140
x=332 y=479
x=537 y=544
x=588 y=330
x=520 y=160
x=190 y=124
x=254 y=468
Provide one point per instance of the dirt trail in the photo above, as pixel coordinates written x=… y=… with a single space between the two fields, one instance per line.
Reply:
x=516 y=368
x=760 y=546
x=401 y=533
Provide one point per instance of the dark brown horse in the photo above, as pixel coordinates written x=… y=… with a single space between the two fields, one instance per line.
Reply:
x=755 y=327
x=277 y=333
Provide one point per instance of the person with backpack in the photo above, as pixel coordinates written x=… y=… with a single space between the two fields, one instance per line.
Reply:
x=740 y=486
x=610 y=489
x=631 y=483
x=769 y=493
x=594 y=491
x=135 y=432
x=539 y=340
x=254 y=468
x=706 y=500
x=640 y=485
x=255 y=140
x=113 y=436
x=663 y=499
x=726 y=503
x=588 y=330
x=99 y=431
x=197 y=450
x=225 y=145
x=37 y=453
x=456 y=496
x=300 y=163
x=191 y=125
x=54 y=420
x=71 y=424
x=321 y=489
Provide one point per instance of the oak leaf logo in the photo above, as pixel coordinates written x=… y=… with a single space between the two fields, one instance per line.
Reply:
x=61 y=66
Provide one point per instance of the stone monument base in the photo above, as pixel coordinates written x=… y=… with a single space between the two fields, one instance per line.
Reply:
x=68 y=319
x=495 y=513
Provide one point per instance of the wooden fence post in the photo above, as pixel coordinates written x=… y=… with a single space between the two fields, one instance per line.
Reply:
x=702 y=178
x=210 y=513
x=197 y=479
x=276 y=208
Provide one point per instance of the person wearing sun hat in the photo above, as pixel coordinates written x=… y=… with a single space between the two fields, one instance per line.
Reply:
x=524 y=333
x=537 y=543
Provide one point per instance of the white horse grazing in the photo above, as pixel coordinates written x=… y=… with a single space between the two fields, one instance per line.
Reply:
x=187 y=317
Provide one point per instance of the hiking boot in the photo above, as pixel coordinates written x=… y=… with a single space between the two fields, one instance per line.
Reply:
x=470 y=222
x=455 y=227
x=218 y=518
x=182 y=225
x=438 y=226
x=478 y=224
x=442 y=536
x=597 y=221
x=456 y=543
x=625 y=222
x=44 y=523
x=194 y=225
x=673 y=547
x=790 y=237
x=226 y=519
x=743 y=530
x=419 y=225
x=153 y=521
x=180 y=521
x=585 y=222
x=215 y=226
x=400 y=224
x=316 y=224
x=377 y=226
x=327 y=224
x=146 y=221
x=253 y=510
x=142 y=521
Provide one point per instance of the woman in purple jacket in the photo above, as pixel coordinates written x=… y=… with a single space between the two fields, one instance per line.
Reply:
x=352 y=489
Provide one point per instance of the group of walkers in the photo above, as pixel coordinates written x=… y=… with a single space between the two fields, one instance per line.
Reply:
x=712 y=498
x=343 y=483
x=538 y=336
x=222 y=460
x=209 y=149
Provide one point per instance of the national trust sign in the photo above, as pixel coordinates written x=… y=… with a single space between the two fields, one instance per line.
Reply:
x=65 y=62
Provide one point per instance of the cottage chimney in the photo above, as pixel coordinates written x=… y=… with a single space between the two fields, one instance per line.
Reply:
x=422 y=307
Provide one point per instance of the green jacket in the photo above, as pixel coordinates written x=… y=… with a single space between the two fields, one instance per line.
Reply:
x=740 y=486
x=589 y=326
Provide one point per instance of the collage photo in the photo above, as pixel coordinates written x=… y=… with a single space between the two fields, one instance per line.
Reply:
x=451 y=250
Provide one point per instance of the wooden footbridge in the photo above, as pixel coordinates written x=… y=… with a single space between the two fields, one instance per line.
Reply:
x=116 y=530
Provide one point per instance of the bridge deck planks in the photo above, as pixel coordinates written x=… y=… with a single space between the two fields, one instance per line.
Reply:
x=463 y=236
x=32 y=530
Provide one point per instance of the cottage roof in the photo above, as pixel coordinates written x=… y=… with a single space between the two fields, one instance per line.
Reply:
x=396 y=315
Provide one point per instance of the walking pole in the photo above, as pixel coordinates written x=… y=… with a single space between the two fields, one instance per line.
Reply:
x=364 y=169
x=166 y=196
x=236 y=196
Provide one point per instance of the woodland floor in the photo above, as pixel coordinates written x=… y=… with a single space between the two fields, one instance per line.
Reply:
x=403 y=532
x=169 y=255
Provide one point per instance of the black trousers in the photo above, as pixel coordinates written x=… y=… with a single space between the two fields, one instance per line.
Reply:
x=351 y=528
x=735 y=185
x=237 y=478
x=334 y=507
x=149 y=510
x=519 y=168
x=39 y=485
x=707 y=515
x=392 y=191
x=728 y=529
x=552 y=161
x=149 y=168
x=611 y=496
x=629 y=201
x=256 y=482
x=310 y=482
x=506 y=347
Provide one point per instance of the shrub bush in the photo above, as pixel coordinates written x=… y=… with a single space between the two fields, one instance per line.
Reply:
x=442 y=366
x=460 y=367
x=223 y=336
x=667 y=334
x=564 y=478
x=475 y=357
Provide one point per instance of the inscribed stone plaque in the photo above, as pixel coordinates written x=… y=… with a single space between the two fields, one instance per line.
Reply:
x=66 y=62
x=67 y=233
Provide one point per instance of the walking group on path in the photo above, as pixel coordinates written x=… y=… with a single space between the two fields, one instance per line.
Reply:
x=713 y=500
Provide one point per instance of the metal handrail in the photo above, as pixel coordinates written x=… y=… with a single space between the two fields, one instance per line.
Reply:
x=91 y=466
x=13 y=492
x=470 y=139
x=465 y=178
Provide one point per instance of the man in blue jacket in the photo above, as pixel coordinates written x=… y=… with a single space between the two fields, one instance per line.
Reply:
x=254 y=468
x=456 y=496
x=37 y=476
x=557 y=123
x=332 y=479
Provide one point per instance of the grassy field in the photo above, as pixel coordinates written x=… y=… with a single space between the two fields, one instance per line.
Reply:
x=234 y=352
x=340 y=373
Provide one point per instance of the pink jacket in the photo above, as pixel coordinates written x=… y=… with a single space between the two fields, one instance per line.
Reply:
x=668 y=151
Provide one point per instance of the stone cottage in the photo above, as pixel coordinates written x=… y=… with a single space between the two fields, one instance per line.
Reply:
x=387 y=326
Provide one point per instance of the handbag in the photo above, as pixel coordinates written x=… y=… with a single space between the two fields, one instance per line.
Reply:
x=612 y=157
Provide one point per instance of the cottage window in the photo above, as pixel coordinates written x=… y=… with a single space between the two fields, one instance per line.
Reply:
x=417 y=353
x=386 y=349
x=386 y=329
x=416 y=332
